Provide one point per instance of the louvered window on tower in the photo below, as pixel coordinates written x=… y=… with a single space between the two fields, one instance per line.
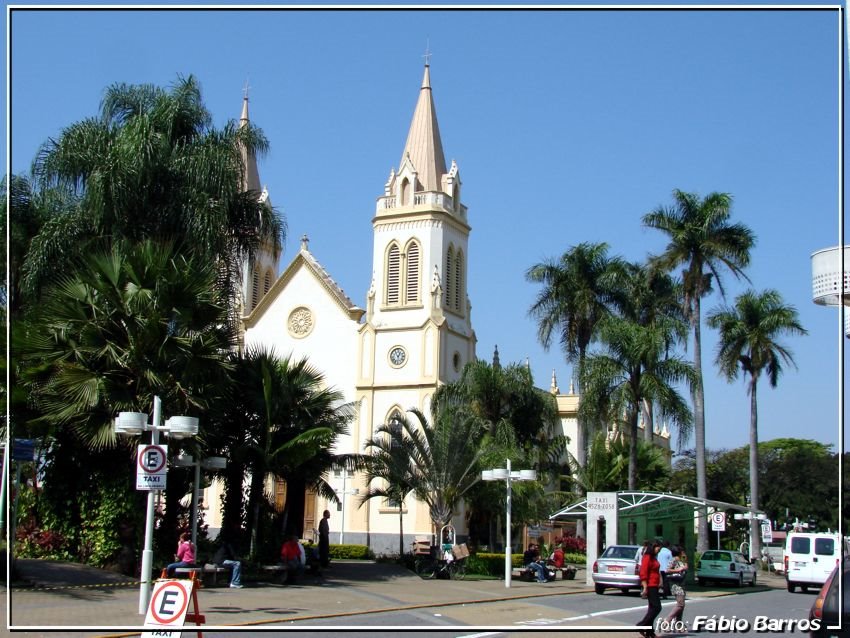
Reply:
x=449 y=277
x=255 y=288
x=267 y=282
x=412 y=283
x=458 y=287
x=393 y=272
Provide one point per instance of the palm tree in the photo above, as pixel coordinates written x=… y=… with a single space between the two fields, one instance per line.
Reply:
x=749 y=334
x=616 y=381
x=443 y=457
x=152 y=166
x=573 y=300
x=127 y=324
x=703 y=242
x=650 y=297
x=388 y=473
x=282 y=423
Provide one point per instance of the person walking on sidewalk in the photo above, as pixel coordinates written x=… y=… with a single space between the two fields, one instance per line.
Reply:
x=324 y=540
x=676 y=574
x=650 y=580
x=225 y=556
x=664 y=558
x=185 y=554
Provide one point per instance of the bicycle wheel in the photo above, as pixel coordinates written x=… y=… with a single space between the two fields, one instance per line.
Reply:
x=426 y=567
x=459 y=570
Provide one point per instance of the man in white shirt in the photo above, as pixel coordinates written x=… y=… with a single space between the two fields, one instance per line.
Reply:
x=664 y=558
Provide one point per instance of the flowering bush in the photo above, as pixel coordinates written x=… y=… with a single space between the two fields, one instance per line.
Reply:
x=573 y=544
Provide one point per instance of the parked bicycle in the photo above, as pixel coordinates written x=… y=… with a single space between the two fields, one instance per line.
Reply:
x=429 y=567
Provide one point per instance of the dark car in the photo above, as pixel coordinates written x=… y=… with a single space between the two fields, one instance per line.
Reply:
x=827 y=607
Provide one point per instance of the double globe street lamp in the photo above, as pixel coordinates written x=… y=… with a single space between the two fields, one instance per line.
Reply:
x=177 y=427
x=506 y=475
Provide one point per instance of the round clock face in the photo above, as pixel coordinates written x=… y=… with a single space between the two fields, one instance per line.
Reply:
x=398 y=356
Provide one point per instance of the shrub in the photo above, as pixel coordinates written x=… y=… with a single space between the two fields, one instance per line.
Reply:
x=359 y=552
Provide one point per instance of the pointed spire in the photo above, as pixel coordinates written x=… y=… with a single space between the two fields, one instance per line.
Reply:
x=554 y=389
x=496 y=363
x=249 y=160
x=423 y=145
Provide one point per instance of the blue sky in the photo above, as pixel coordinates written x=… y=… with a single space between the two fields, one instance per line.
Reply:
x=567 y=126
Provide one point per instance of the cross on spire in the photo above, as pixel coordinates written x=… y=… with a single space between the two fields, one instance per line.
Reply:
x=245 y=88
x=428 y=54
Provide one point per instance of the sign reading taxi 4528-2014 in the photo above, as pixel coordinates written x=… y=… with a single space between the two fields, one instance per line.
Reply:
x=151 y=467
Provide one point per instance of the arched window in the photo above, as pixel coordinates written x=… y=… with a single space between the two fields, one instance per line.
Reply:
x=458 y=287
x=448 y=276
x=405 y=192
x=412 y=279
x=395 y=427
x=393 y=274
x=255 y=288
x=267 y=282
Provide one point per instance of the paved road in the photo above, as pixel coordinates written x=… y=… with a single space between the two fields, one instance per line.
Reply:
x=50 y=596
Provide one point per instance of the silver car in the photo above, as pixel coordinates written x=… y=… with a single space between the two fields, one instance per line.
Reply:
x=727 y=566
x=617 y=568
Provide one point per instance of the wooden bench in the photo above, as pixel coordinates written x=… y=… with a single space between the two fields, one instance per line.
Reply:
x=208 y=573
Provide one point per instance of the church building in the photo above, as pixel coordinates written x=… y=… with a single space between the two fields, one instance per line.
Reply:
x=414 y=334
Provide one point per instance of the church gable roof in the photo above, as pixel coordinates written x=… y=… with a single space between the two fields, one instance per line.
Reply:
x=305 y=260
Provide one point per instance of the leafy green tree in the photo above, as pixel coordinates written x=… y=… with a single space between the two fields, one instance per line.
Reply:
x=123 y=326
x=607 y=466
x=151 y=166
x=749 y=344
x=702 y=241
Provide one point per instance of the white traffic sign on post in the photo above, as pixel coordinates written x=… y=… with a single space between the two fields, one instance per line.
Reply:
x=766 y=532
x=718 y=521
x=151 y=467
x=167 y=609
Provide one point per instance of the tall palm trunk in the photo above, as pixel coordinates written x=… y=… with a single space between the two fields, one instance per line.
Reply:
x=400 y=529
x=755 y=532
x=648 y=420
x=699 y=425
x=633 y=446
x=581 y=442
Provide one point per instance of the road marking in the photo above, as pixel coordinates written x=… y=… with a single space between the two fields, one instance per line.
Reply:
x=596 y=614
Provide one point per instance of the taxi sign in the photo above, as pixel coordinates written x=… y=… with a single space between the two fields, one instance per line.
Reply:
x=167 y=609
x=151 y=467
x=718 y=521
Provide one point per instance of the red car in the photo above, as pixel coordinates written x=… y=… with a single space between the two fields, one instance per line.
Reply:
x=827 y=607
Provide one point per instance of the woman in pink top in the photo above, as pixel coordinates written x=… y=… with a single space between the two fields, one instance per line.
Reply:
x=185 y=555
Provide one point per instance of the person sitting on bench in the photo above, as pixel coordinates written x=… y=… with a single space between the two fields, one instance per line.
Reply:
x=290 y=555
x=531 y=559
x=185 y=555
x=226 y=557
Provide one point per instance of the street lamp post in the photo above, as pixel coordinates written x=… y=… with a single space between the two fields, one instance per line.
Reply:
x=342 y=493
x=209 y=463
x=178 y=427
x=505 y=474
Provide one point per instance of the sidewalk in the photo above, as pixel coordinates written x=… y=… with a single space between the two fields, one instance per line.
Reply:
x=51 y=594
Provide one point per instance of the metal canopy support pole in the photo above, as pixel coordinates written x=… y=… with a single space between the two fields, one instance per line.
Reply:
x=196 y=485
x=147 y=553
x=508 y=529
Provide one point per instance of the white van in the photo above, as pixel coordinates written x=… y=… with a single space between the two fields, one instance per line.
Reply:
x=810 y=557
